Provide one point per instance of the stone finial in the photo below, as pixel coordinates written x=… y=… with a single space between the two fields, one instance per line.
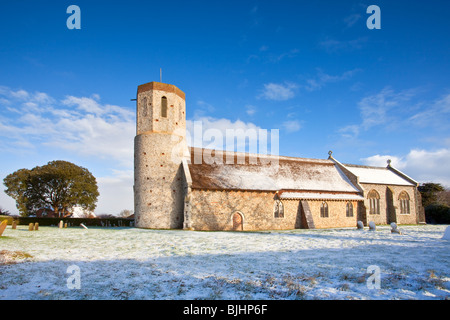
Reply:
x=330 y=153
x=389 y=162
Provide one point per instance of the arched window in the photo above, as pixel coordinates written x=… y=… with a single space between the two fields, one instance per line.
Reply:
x=164 y=107
x=404 y=202
x=278 y=209
x=324 y=210
x=374 y=202
x=349 y=209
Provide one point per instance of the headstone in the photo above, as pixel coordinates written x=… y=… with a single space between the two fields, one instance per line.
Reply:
x=60 y=225
x=3 y=226
x=395 y=228
x=65 y=225
x=14 y=224
x=360 y=225
x=36 y=226
x=446 y=234
x=31 y=226
x=372 y=226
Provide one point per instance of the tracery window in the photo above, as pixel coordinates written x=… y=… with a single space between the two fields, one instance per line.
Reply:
x=404 y=202
x=324 y=210
x=374 y=202
x=349 y=209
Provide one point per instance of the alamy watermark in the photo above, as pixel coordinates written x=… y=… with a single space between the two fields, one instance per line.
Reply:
x=374 y=21
x=74 y=20
x=234 y=146
x=74 y=280
x=374 y=280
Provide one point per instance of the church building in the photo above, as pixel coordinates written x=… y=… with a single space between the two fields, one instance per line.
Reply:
x=175 y=188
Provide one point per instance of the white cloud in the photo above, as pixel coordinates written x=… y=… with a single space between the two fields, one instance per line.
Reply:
x=278 y=92
x=388 y=109
x=322 y=79
x=421 y=165
x=350 y=131
x=250 y=110
x=90 y=129
x=84 y=127
x=333 y=45
x=224 y=134
x=292 y=126
x=116 y=192
x=352 y=19
x=436 y=113
x=384 y=108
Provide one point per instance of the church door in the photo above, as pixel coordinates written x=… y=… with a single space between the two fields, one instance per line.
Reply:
x=237 y=222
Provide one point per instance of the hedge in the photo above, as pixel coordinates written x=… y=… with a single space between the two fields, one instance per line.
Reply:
x=437 y=213
x=93 y=222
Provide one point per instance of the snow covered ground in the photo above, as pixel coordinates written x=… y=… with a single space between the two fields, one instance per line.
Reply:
x=128 y=263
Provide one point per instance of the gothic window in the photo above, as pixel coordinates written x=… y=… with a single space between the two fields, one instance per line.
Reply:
x=404 y=202
x=164 y=107
x=278 y=209
x=324 y=210
x=374 y=202
x=349 y=209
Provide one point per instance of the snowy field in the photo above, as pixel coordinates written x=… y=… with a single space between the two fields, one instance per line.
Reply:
x=128 y=263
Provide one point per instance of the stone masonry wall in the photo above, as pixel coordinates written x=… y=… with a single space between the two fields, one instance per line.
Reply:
x=385 y=214
x=213 y=210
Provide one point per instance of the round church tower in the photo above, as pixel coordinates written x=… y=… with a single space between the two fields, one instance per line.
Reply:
x=159 y=146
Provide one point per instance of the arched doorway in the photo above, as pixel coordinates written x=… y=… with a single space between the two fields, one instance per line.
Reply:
x=238 y=221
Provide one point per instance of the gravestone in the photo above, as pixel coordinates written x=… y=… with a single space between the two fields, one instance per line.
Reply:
x=446 y=234
x=36 y=226
x=372 y=226
x=60 y=225
x=395 y=228
x=31 y=226
x=360 y=225
x=65 y=225
x=14 y=224
x=3 y=227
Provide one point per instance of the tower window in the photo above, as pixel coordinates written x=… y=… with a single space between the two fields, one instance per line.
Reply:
x=164 y=107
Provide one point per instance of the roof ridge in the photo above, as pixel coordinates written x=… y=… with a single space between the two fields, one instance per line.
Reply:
x=363 y=166
x=261 y=155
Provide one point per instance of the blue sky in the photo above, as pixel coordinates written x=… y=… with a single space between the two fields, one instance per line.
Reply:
x=311 y=69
